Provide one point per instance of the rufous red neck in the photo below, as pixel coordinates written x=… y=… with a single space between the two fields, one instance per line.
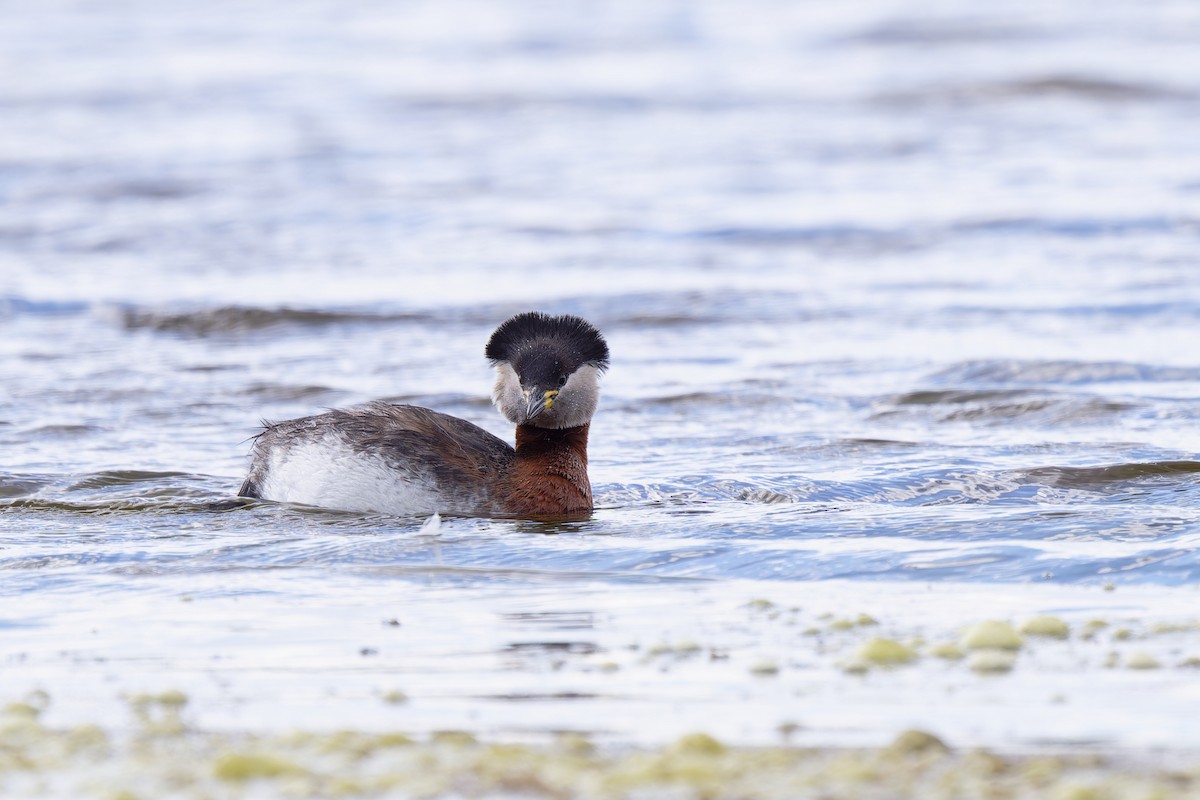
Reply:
x=532 y=440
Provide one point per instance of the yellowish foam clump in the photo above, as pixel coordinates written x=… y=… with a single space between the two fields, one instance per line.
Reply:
x=452 y=738
x=765 y=668
x=1043 y=770
x=861 y=621
x=22 y=711
x=912 y=742
x=574 y=743
x=1142 y=661
x=699 y=744
x=885 y=652
x=393 y=740
x=917 y=765
x=992 y=661
x=172 y=698
x=1081 y=792
x=160 y=713
x=991 y=635
x=87 y=737
x=947 y=650
x=682 y=649
x=1048 y=626
x=241 y=767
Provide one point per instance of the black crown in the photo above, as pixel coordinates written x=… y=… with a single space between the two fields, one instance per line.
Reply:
x=576 y=338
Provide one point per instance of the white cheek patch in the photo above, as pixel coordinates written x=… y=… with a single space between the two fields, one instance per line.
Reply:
x=576 y=402
x=506 y=393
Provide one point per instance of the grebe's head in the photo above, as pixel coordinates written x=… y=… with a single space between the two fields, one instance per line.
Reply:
x=547 y=369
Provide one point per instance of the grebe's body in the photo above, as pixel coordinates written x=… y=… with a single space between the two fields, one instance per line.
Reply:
x=399 y=459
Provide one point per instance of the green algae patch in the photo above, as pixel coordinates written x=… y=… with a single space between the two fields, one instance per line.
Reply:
x=1046 y=626
x=991 y=635
x=242 y=767
x=885 y=653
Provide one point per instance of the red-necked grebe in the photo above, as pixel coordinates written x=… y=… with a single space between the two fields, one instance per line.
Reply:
x=400 y=459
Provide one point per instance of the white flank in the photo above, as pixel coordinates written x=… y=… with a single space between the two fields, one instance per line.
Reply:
x=326 y=472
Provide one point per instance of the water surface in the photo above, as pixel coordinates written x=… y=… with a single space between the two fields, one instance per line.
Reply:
x=902 y=304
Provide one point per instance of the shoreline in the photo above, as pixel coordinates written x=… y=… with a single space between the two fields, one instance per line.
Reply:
x=166 y=758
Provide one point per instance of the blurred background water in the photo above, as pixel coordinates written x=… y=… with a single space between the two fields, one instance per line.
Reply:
x=902 y=296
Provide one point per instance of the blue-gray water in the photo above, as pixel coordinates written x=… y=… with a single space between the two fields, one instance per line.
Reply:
x=904 y=296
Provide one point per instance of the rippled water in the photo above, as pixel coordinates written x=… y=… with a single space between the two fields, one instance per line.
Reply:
x=903 y=297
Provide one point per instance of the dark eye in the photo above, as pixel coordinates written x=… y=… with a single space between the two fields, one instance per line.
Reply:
x=562 y=381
